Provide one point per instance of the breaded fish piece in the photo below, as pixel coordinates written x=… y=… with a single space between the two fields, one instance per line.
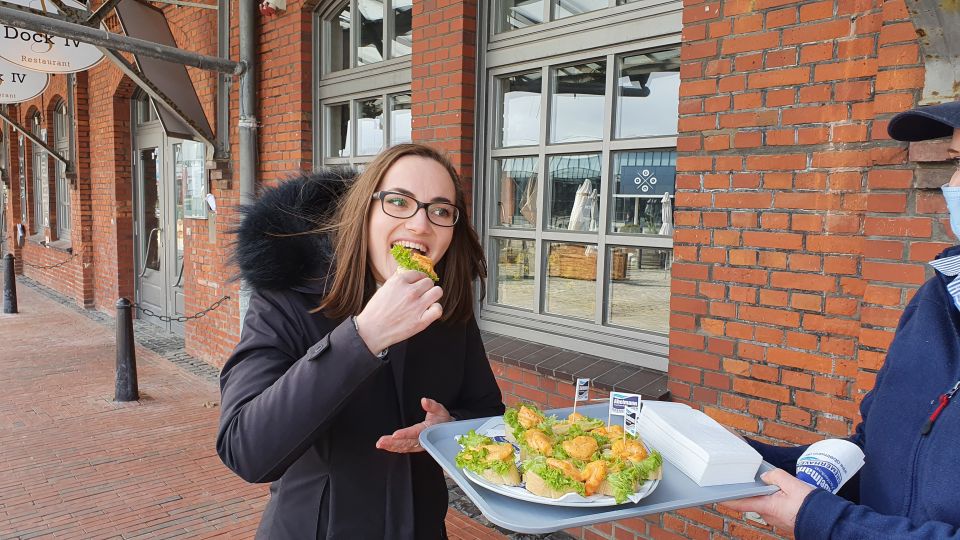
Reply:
x=582 y=447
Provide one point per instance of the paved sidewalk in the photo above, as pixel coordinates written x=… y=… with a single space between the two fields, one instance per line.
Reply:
x=76 y=464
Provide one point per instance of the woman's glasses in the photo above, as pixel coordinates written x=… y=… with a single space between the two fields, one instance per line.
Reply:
x=403 y=206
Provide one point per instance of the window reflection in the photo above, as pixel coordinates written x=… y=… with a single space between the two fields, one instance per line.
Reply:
x=648 y=90
x=338 y=130
x=370 y=126
x=370 y=49
x=400 y=126
x=402 y=28
x=578 y=95
x=520 y=109
x=513 y=14
x=340 y=40
x=639 y=287
x=642 y=214
x=517 y=192
x=571 y=281
x=515 y=272
x=574 y=192
x=566 y=8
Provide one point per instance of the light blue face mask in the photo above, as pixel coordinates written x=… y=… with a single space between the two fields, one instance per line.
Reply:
x=952 y=196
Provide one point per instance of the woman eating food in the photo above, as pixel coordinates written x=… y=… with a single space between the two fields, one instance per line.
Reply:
x=346 y=354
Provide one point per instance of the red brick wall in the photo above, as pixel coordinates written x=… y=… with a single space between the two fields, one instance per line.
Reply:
x=284 y=114
x=72 y=278
x=799 y=232
x=444 y=82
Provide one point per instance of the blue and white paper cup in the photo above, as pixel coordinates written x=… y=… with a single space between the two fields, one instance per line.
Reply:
x=828 y=464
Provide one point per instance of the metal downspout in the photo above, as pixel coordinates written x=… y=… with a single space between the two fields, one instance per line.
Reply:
x=248 y=120
x=248 y=101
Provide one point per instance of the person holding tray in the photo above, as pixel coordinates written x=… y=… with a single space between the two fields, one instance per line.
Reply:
x=343 y=360
x=910 y=426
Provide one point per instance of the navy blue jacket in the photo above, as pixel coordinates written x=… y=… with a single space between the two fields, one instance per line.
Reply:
x=908 y=487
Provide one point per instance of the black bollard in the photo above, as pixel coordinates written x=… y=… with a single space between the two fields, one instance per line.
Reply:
x=9 y=285
x=126 y=355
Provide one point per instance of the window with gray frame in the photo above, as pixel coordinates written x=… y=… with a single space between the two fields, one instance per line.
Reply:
x=41 y=183
x=22 y=157
x=362 y=73
x=61 y=141
x=580 y=153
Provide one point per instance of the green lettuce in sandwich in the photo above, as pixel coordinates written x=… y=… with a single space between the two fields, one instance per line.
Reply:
x=408 y=259
x=492 y=461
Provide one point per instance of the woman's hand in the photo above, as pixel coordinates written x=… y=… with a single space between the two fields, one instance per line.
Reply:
x=404 y=306
x=778 y=509
x=407 y=440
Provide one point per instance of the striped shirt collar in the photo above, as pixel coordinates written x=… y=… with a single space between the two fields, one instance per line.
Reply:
x=950 y=267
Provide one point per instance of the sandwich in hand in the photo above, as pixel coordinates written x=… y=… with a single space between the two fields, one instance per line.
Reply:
x=408 y=259
x=493 y=461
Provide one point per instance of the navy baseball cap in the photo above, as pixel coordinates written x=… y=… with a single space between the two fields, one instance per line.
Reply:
x=922 y=123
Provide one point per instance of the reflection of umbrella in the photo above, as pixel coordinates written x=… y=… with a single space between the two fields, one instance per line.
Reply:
x=594 y=209
x=666 y=215
x=580 y=201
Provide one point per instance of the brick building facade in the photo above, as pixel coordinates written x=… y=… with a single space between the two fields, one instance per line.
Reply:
x=799 y=229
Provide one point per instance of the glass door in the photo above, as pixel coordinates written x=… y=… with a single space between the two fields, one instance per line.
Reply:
x=149 y=226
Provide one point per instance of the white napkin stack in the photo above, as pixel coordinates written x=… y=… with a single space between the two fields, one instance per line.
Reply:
x=697 y=444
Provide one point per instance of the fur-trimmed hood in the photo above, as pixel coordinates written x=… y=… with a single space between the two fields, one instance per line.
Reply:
x=276 y=247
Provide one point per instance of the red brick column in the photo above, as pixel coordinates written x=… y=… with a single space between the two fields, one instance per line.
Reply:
x=14 y=188
x=444 y=86
x=798 y=238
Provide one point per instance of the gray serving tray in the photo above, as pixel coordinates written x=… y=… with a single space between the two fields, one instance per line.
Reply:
x=674 y=492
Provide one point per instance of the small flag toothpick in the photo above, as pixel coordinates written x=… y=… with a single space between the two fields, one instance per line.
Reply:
x=582 y=392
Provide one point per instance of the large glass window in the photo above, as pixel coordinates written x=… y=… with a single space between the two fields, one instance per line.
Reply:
x=22 y=162
x=359 y=128
x=588 y=250
x=514 y=14
x=190 y=178
x=648 y=90
x=61 y=141
x=363 y=98
x=383 y=30
x=41 y=178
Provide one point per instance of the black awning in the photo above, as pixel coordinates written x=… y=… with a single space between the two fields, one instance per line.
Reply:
x=147 y=22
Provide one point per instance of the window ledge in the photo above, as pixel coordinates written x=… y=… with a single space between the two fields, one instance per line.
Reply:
x=569 y=365
x=60 y=245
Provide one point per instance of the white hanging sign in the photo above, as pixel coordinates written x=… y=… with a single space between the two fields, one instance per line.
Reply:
x=18 y=84
x=45 y=52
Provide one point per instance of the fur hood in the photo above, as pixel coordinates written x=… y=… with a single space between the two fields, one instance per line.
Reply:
x=275 y=248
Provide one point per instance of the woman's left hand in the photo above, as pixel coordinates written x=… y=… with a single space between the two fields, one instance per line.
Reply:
x=778 y=509
x=407 y=440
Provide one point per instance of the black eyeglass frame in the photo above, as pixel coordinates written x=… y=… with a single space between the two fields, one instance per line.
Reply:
x=381 y=195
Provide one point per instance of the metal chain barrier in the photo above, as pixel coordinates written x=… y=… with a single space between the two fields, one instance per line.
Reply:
x=165 y=318
x=50 y=266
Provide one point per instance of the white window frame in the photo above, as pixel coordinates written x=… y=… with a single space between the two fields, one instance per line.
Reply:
x=568 y=41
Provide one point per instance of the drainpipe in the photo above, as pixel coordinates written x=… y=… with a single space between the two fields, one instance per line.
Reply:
x=248 y=119
x=248 y=100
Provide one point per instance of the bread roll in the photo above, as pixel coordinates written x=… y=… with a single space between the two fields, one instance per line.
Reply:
x=538 y=486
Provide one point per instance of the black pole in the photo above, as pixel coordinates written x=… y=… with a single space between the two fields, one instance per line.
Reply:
x=9 y=285
x=126 y=355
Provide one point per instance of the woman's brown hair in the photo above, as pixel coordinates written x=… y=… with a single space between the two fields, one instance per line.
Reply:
x=352 y=284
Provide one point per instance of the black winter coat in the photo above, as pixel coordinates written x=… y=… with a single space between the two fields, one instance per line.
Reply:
x=304 y=401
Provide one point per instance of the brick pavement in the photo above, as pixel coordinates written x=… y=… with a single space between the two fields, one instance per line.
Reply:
x=76 y=464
